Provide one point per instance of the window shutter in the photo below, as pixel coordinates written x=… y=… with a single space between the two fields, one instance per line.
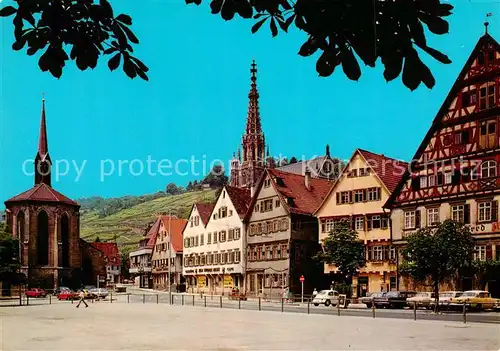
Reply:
x=494 y=210
x=351 y=197
x=323 y=226
x=440 y=179
x=364 y=195
x=417 y=218
x=368 y=223
x=465 y=137
x=466 y=214
x=338 y=198
x=352 y=222
x=379 y=194
x=369 y=250
x=386 y=253
x=489 y=252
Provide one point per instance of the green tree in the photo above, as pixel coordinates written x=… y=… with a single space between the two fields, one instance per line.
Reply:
x=343 y=249
x=344 y=31
x=189 y=187
x=97 y=239
x=173 y=189
x=437 y=254
x=216 y=178
x=293 y=160
x=125 y=265
x=9 y=257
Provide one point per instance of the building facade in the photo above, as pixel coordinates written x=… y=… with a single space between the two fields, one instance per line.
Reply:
x=47 y=224
x=248 y=164
x=215 y=245
x=282 y=234
x=454 y=172
x=113 y=261
x=167 y=253
x=140 y=259
x=358 y=196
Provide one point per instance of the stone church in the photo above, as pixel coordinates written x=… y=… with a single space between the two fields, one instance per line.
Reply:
x=47 y=224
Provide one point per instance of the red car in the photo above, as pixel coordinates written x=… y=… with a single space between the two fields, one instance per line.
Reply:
x=36 y=292
x=67 y=295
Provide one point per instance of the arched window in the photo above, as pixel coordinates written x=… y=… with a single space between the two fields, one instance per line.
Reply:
x=64 y=240
x=42 y=239
x=21 y=231
x=488 y=169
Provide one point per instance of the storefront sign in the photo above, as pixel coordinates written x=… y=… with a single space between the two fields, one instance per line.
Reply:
x=228 y=281
x=202 y=282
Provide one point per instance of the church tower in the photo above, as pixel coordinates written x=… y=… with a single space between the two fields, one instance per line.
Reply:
x=43 y=163
x=246 y=168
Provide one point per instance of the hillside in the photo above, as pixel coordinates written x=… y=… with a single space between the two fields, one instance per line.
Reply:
x=128 y=224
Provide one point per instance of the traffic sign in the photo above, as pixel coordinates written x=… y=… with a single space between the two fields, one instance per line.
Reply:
x=302 y=278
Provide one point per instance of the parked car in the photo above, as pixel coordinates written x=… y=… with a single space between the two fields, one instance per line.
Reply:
x=422 y=299
x=476 y=299
x=445 y=299
x=368 y=299
x=67 y=295
x=393 y=299
x=326 y=297
x=120 y=288
x=36 y=292
x=100 y=292
x=60 y=289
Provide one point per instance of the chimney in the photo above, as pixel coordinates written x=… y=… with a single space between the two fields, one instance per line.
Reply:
x=307 y=179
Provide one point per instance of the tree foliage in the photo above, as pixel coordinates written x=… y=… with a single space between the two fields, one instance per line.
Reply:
x=343 y=249
x=437 y=254
x=344 y=32
x=80 y=30
x=9 y=257
x=216 y=178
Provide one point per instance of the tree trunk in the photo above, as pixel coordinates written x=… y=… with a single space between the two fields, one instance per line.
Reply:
x=436 y=295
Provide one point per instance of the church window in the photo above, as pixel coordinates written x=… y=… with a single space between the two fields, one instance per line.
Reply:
x=488 y=169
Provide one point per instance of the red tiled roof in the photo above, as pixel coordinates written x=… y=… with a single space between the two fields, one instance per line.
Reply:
x=240 y=198
x=389 y=170
x=42 y=193
x=294 y=193
x=152 y=233
x=204 y=210
x=111 y=252
x=176 y=226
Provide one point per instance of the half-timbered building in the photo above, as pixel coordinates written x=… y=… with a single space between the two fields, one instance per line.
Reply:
x=454 y=173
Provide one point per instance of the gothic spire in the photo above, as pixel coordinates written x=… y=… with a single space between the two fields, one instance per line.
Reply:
x=43 y=147
x=253 y=117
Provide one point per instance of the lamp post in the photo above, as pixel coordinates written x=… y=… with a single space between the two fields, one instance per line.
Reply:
x=169 y=254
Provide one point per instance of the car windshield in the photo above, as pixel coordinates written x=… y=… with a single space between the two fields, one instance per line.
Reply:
x=422 y=294
x=470 y=293
x=392 y=294
x=323 y=292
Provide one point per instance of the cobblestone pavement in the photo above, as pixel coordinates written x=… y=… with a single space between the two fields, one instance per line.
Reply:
x=105 y=326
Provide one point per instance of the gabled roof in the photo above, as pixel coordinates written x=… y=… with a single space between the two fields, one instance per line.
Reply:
x=204 y=210
x=388 y=170
x=42 y=193
x=152 y=233
x=292 y=191
x=437 y=121
x=111 y=252
x=240 y=198
x=175 y=226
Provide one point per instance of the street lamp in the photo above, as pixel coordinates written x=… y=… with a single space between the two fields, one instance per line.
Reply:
x=169 y=254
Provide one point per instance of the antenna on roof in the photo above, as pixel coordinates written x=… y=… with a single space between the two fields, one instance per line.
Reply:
x=486 y=23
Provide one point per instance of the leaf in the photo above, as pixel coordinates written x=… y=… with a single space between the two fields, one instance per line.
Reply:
x=438 y=55
x=18 y=45
x=309 y=47
x=120 y=35
x=426 y=74
x=110 y=50
x=393 y=66
x=139 y=64
x=124 y=19
x=44 y=61
x=228 y=10
x=106 y=8
x=326 y=63
x=7 y=11
x=350 y=65
x=129 y=68
x=417 y=33
x=257 y=25
x=197 y=2
x=143 y=75
x=114 y=62
x=274 y=29
x=216 y=6
x=436 y=25
x=244 y=9
x=411 y=73
x=130 y=35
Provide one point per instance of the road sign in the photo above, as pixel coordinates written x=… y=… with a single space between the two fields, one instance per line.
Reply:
x=302 y=278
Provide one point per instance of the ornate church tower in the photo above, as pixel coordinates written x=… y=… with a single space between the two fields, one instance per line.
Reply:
x=247 y=168
x=43 y=163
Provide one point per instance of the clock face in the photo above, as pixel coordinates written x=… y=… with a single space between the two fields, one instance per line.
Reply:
x=44 y=168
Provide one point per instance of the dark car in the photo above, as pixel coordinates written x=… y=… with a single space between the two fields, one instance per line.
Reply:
x=368 y=299
x=393 y=299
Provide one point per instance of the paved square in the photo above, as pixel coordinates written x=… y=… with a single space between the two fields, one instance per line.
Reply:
x=105 y=326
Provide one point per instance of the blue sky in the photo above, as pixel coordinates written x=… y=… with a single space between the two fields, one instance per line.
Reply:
x=196 y=100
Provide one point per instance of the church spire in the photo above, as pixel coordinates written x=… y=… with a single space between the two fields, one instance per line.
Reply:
x=43 y=164
x=253 y=117
x=43 y=147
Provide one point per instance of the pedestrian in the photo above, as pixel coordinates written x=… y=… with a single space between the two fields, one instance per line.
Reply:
x=315 y=292
x=81 y=295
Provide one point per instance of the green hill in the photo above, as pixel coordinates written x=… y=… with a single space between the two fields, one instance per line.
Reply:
x=128 y=224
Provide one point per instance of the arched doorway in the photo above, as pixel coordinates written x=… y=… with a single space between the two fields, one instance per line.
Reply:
x=64 y=240
x=42 y=239
x=20 y=227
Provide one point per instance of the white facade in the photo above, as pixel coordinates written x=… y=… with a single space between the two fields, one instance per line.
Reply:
x=214 y=255
x=113 y=273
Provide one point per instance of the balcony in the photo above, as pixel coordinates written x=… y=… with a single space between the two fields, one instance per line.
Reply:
x=140 y=268
x=140 y=252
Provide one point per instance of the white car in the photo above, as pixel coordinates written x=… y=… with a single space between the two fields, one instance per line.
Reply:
x=326 y=297
x=445 y=298
x=422 y=299
x=100 y=292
